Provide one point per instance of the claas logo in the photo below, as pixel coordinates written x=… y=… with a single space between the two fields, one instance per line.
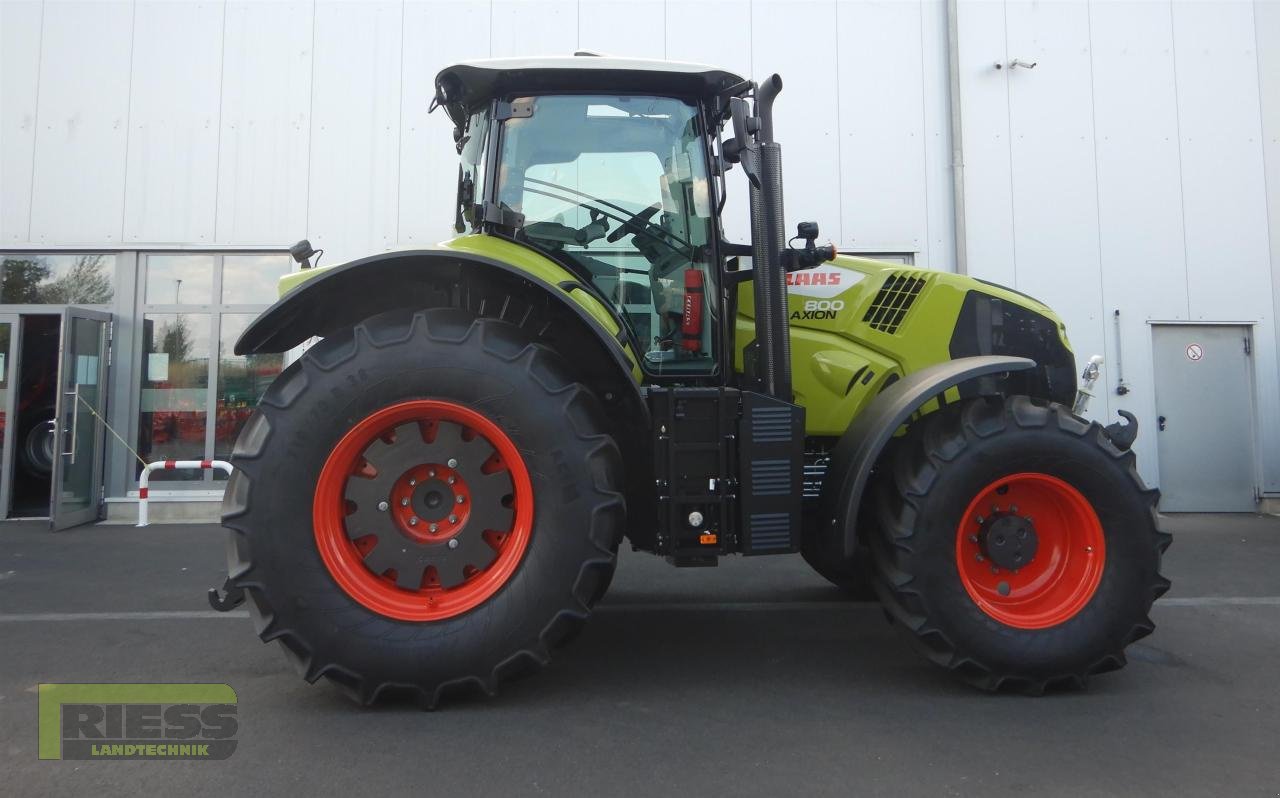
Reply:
x=813 y=278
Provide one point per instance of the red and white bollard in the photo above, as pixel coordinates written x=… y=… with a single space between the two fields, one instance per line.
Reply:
x=168 y=465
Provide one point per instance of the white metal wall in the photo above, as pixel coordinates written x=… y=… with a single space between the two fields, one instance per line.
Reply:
x=257 y=122
x=1130 y=170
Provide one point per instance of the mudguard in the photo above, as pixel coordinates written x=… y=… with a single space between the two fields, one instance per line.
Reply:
x=344 y=295
x=860 y=446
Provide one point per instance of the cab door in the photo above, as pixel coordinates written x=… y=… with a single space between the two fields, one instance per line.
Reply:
x=79 y=430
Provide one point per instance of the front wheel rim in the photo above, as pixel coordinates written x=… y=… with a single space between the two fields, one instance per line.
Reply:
x=423 y=510
x=1030 y=550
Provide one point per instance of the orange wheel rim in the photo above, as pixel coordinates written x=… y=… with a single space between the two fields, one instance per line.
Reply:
x=423 y=510
x=1030 y=550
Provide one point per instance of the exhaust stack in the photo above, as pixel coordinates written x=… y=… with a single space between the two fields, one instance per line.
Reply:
x=768 y=240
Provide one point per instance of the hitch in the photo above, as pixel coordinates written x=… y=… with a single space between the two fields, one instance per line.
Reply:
x=1123 y=435
x=232 y=596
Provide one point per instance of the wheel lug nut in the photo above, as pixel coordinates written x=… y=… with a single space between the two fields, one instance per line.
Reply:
x=413 y=520
x=434 y=527
x=431 y=473
x=451 y=480
x=453 y=543
x=453 y=463
x=1088 y=549
x=383 y=506
x=461 y=500
x=995 y=570
x=979 y=557
x=413 y=482
x=1013 y=508
x=404 y=502
x=981 y=520
x=453 y=519
x=973 y=538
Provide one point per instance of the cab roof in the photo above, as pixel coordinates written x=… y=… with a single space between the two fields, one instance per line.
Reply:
x=468 y=84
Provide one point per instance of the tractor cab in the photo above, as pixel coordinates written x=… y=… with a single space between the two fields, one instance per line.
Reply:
x=615 y=186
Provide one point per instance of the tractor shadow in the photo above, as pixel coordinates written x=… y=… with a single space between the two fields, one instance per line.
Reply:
x=718 y=654
x=755 y=648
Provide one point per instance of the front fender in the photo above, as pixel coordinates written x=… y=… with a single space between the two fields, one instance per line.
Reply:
x=863 y=442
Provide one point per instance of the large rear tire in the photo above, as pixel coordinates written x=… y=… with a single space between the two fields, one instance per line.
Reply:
x=1016 y=544
x=422 y=503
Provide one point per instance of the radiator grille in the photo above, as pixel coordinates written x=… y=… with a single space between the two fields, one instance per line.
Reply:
x=770 y=477
x=892 y=302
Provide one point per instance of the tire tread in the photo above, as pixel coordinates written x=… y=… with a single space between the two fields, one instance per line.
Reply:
x=445 y=326
x=942 y=437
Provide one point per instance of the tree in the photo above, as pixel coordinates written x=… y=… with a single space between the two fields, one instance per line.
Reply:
x=175 y=339
x=26 y=281
x=20 y=282
x=85 y=283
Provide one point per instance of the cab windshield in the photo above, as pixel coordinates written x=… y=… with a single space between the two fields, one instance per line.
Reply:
x=618 y=186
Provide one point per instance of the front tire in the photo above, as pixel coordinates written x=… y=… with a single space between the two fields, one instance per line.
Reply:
x=1016 y=544
x=421 y=503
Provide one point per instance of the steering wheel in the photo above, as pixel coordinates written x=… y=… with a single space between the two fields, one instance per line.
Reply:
x=636 y=224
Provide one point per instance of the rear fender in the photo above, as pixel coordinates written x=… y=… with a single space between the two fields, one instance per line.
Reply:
x=520 y=287
x=863 y=442
x=344 y=295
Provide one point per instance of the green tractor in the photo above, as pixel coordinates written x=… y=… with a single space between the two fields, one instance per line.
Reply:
x=432 y=497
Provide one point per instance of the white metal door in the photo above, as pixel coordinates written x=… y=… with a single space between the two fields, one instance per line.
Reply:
x=1204 y=406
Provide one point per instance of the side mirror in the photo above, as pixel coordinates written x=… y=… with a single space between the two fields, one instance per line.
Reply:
x=744 y=125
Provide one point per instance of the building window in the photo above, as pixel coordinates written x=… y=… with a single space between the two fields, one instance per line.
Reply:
x=179 y=279
x=193 y=307
x=242 y=379
x=61 y=279
x=175 y=390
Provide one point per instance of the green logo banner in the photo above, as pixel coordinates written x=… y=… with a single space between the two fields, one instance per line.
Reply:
x=138 y=721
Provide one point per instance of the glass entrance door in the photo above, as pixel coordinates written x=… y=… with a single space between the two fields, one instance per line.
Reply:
x=81 y=404
x=9 y=332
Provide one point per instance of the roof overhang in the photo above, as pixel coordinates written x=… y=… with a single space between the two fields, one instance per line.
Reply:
x=469 y=84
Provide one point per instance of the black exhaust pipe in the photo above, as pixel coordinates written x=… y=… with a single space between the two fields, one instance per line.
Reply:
x=768 y=240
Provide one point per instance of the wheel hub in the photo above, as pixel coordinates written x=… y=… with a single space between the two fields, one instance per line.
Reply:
x=430 y=502
x=1023 y=574
x=426 y=537
x=1009 y=541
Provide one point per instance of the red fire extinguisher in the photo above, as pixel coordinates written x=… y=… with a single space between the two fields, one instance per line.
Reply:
x=691 y=322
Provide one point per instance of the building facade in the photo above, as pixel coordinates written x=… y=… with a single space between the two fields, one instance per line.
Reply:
x=1118 y=159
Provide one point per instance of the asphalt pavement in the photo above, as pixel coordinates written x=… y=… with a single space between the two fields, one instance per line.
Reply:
x=754 y=678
